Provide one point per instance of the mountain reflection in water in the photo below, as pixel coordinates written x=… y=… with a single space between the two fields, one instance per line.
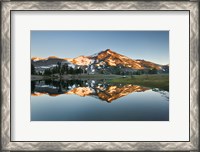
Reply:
x=98 y=89
x=78 y=100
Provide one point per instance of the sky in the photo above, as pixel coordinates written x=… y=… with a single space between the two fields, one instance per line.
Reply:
x=148 y=45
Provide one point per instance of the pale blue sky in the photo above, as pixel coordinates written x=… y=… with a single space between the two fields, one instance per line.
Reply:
x=148 y=45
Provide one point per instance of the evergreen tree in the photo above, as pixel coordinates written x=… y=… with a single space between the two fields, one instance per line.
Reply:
x=32 y=69
x=59 y=68
x=153 y=71
x=71 y=70
x=65 y=68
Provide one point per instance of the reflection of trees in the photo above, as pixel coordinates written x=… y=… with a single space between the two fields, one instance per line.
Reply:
x=55 y=87
x=60 y=87
x=63 y=83
x=86 y=88
x=32 y=86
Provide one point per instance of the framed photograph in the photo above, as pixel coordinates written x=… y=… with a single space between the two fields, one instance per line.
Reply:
x=110 y=75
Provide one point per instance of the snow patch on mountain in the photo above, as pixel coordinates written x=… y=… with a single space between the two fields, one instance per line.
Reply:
x=81 y=60
x=46 y=67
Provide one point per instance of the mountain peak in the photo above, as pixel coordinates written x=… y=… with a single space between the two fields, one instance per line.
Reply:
x=108 y=51
x=53 y=57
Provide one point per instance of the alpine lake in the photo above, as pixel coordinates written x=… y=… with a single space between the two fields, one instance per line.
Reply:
x=97 y=100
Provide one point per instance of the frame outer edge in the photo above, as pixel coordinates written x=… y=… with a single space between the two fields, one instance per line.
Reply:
x=194 y=75
x=78 y=5
x=5 y=76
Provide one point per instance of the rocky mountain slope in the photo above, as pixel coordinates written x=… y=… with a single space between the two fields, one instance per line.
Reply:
x=103 y=61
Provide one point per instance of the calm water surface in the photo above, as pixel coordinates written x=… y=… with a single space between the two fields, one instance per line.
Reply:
x=77 y=100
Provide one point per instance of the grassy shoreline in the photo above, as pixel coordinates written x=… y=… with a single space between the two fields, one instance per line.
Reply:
x=153 y=81
x=78 y=76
